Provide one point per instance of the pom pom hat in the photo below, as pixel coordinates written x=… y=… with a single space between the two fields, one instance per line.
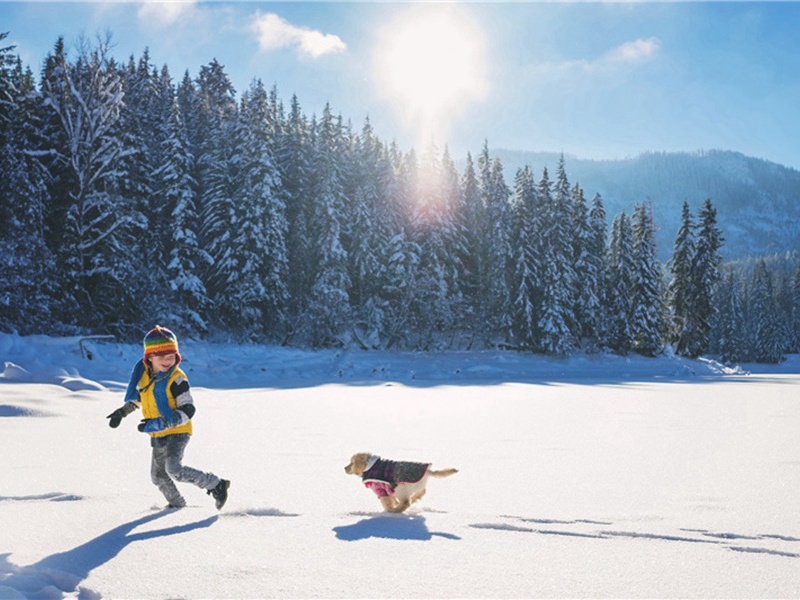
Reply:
x=160 y=341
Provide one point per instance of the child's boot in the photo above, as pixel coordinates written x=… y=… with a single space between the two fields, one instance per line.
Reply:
x=220 y=493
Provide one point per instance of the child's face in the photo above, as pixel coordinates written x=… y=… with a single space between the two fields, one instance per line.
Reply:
x=163 y=363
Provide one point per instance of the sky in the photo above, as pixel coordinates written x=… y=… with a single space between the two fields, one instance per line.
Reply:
x=597 y=80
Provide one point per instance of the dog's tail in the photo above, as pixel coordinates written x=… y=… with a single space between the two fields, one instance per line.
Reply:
x=442 y=473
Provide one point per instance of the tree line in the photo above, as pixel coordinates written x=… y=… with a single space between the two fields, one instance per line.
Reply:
x=127 y=198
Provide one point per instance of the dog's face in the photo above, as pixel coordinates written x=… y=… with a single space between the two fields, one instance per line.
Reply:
x=358 y=464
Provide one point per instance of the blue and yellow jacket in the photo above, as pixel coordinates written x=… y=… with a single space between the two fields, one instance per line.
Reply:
x=165 y=400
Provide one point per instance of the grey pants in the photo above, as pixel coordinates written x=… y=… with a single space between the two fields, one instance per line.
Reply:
x=166 y=468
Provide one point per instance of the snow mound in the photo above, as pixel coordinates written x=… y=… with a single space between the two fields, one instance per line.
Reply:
x=49 y=374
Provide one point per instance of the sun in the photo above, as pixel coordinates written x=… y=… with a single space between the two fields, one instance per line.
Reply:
x=430 y=63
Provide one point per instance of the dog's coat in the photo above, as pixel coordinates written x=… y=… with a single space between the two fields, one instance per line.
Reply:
x=397 y=484
x=384 y=476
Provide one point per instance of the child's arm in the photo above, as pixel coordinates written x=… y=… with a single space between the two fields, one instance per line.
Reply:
x=131 y=397
x=115 y=418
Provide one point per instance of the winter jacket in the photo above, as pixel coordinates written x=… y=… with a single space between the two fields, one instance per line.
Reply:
x=162 y=395
x=385 y=475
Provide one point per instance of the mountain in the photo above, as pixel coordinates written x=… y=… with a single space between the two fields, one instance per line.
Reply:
x=757 y=201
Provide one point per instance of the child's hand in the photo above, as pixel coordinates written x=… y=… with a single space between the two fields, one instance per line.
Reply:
x=115 y=418
x=151 y=425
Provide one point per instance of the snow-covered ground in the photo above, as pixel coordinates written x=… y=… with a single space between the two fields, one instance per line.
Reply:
x=586 y=477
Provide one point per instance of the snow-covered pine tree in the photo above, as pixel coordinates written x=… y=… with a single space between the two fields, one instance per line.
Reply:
x=472 y=261
x=218 y=159
x=557 y=313
x=189 y=302
x=366 y=238
x=524 y=321
x=647 y=326
x=432 y=229
x=86 y=96
x=595 y=322
x=52 y=154
x=455 y=240
x=621 y=276
x=679 y=292
x=254 y=293
x=496 y=299
x=588 y=262
x=295 y=166
x=27 y=286
x=141 y=126
x=794 y=318
x=731 y=323
x=705 y=273
x=767 y=347
x=328 y=312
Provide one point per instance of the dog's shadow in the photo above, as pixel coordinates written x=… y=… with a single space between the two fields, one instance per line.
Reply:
x=391 y=527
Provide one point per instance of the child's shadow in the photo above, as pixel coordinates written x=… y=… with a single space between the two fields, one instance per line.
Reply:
x=390 y=526
x=66 y=570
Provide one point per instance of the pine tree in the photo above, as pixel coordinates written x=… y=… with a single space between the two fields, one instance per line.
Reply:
x=26 y=286
x=329 y=306
x=496 y=299
x=524 y=321
x=731 y=343
x=295 y=157
x=557 y=316
x=588 y=268
x=255 y=292
x=680 y=284
x=218 y=163
x=621 y=277
x=704 y=275
x=595 y=322
x=794 y=322
x=766 y=328
x=646 y=323
x=472 y=260
x=86 y=97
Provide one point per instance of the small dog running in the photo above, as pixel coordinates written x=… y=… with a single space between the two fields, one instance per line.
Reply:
x=397 y=484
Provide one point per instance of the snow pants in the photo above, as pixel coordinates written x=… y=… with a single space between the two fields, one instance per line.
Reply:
x=167 y=467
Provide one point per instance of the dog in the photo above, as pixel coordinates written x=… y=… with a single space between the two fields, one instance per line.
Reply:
x=397 y=484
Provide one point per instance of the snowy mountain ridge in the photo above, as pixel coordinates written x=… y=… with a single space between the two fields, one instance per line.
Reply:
x=756 y=200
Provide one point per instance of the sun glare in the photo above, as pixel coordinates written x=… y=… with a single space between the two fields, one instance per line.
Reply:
x=430 y=63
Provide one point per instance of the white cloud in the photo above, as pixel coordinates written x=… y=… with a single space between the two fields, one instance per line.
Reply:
x=275 y=32
x=163 y=13
x=627 y=54
x=635 y=51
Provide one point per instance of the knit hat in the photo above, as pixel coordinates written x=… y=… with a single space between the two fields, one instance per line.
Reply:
x=160 y=341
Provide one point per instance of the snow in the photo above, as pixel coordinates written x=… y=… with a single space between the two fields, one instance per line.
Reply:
x=592 y=476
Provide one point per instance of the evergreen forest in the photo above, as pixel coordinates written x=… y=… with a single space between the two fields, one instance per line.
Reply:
x=130 y=198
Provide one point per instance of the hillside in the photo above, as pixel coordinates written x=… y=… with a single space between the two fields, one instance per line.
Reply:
x=757 y=201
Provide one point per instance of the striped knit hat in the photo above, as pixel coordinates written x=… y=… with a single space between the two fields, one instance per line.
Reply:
x=160 y=341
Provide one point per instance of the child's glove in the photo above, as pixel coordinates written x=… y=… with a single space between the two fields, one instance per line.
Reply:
x=151 y=425
x=179 y=417
x=115 y=418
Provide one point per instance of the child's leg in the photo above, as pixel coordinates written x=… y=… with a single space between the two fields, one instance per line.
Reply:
x=176 y=444
x=158 y=473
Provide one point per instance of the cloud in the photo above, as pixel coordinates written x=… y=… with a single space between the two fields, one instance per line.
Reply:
x=274 y=33
x=635 y=51
x=160 y=13
x=628 y=54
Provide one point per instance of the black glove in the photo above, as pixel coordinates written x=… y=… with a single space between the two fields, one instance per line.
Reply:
x=115 y=418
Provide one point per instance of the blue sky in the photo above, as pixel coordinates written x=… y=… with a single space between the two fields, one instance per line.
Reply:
x=591 y=79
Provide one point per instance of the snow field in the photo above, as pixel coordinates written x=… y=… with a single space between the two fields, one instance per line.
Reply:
x=572 y=489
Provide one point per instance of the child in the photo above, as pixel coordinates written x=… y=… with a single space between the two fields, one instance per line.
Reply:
x=162 y=390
